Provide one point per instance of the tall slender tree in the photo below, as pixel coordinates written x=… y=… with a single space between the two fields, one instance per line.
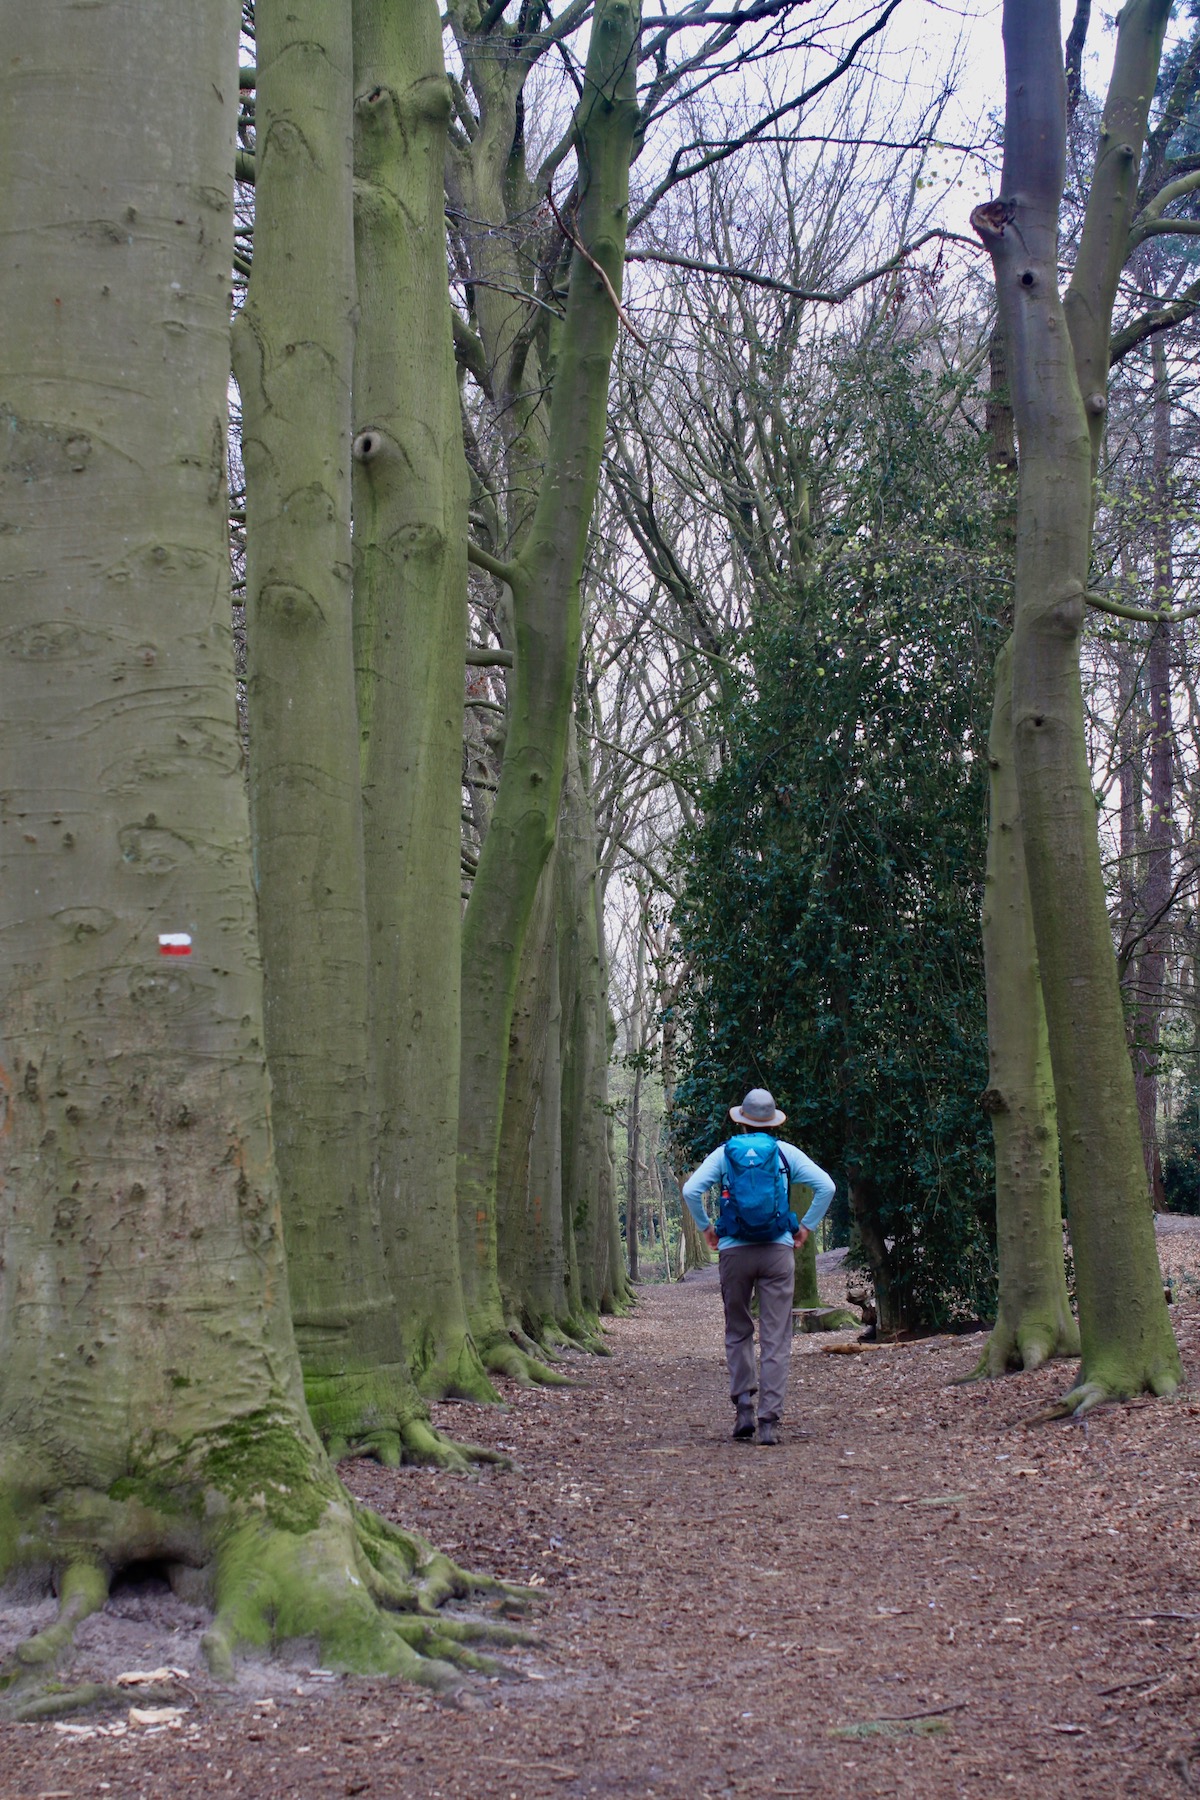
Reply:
x=410 y=500
x=1057 y=356
x=543 y=578
x=293 y=357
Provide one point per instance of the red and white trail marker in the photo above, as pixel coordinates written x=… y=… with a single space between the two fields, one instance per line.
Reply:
x=174 y=943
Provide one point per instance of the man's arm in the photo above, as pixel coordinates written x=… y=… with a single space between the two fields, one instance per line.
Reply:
x=709 y=1175
x=803 y=1169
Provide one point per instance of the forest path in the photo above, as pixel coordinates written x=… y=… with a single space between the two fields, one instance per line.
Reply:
x=987 y=1608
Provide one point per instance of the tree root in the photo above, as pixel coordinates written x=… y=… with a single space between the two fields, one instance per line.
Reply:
x=424 y=1444
x=285 y=1552
x=377 y=1415
x=1095 y=1390
x=534 y=1344
x=453 y=1372
x=90 y=1696
x=503 y=1357
x=83 y=1589
x=578 y=1334
x=366 y=1590
x=1025 y=1345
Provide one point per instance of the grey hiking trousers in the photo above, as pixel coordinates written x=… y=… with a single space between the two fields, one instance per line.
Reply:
x=771 y=1268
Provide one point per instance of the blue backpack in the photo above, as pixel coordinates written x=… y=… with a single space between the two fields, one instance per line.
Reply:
x=754 y=1201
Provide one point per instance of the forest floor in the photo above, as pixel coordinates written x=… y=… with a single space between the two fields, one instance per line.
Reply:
x=919 y=1593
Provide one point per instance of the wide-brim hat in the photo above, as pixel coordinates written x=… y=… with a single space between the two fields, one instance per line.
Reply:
x=758 y=1110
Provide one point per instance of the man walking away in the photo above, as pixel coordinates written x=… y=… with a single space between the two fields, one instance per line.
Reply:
x=756 y=1234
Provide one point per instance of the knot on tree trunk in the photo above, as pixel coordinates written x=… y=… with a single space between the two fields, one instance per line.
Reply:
x=990 y=218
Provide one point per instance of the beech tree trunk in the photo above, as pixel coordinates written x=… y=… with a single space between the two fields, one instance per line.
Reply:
x=1058 y=380
x=529 y=1184
x=1033 y=1319
x=293 y=356
x=410 y=499
x=546 y=1277
x=587 y=1167
x=151 y=1400
x=1150 y=962
x=544 y=578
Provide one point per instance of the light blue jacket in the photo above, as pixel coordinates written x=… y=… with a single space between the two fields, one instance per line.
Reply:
x=712 y=1174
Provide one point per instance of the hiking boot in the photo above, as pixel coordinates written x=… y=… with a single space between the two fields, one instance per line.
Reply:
x=744 y=1428
x=768 y=1431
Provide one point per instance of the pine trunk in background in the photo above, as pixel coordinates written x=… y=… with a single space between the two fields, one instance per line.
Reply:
x=410 y=497
x=1058 y=362
x=151 y=1398
x=293 y=357
x=1033 y=1319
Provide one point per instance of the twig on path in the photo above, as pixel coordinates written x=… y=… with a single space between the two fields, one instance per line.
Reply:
x=559 y=1770
x=1164 y=1615
x=1059 y=1410
x=1137 y=1681
x=930 y=1712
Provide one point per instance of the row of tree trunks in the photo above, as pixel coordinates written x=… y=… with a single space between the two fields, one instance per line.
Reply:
x=377 y=869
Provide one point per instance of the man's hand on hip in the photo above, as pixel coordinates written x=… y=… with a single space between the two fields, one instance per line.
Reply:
x=801 y=1238
x=709 y=1235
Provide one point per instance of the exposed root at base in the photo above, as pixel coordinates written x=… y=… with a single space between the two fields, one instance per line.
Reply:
x=286 y=1554
x=423 y=1443
x=418 y=1442
x=1087 y=1395
x=538 y=1347
x=455 y=1373
x=90 y=1696
x=578 y=1334
x=1024 y=1346
x=503 y=1357
x=376 y=1613
x=26 y=1676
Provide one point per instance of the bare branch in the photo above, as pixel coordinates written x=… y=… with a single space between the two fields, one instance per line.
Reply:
x=834 y=297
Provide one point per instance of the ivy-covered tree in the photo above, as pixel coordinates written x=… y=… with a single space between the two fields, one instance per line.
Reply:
x=831 y=894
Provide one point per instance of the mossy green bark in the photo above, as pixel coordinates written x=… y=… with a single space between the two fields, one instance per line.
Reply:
x=1058 y=379
x=410 y=518
x=293 y=357
x=694 y=1253
x=544 y=578
x=1033 y=1319
x=806 y=1292
x=530 y=1247
x=588 y=1180
x=151 y=1399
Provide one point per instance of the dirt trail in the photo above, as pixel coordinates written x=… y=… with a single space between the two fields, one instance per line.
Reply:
x=917 y=1594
